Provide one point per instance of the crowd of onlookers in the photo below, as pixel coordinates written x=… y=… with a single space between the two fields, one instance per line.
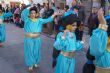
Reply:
x=46 y=10
x=15 y=10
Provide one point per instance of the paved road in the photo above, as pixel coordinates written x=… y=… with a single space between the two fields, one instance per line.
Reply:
x=12 y=56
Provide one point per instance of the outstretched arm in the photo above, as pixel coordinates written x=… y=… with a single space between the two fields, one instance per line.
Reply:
x=6 y=15
x=101 y=17
x=49 y=19
x=98 y=40
x=25 y=13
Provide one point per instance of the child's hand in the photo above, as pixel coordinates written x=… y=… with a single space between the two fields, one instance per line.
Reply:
x=83 y=39
x=85 y=46
x=65 y=33
x=101 y=16
x=55 y=14
x=100 y=12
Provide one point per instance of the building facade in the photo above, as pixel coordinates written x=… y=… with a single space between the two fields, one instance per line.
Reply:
x=40 y=1
x=60 y=3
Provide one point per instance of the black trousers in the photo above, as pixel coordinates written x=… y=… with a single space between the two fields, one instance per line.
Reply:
x=89 y=68
x=55 y=55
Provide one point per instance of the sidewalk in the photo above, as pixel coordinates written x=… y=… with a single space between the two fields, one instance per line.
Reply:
x=5 y=67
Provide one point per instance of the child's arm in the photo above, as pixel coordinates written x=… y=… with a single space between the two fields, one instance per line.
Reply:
x=6 y=15
x=79 y=45
x=98 y=41
x=25 y=13
x=44 y=21
x=60 y=42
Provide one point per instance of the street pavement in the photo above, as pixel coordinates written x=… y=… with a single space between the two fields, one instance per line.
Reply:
x=12 y=53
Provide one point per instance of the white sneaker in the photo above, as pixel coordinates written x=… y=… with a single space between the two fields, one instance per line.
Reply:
x=31 y=68
x=36 y=65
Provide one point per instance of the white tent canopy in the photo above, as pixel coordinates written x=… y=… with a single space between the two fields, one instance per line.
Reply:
x=15 y=0
x=40 y=1
x=21 y=1
x=26 y=1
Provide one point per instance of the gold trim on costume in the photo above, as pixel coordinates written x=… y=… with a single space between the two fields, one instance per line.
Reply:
x=109 y=40
x=33 y=20
x=103 y=27
x=108 y=45
x=32 y=35
x=68 y=54
x=1 y=14
x=102 y=70
x=108 y=49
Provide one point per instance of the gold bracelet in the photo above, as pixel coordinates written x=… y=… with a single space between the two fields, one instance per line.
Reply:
x=103 y=27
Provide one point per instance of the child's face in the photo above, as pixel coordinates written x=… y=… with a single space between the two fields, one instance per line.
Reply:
x=76 y=10
x=33 y=14
x=74 y=26
x=65 y=9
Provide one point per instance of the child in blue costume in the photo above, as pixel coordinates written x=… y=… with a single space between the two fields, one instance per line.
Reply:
x=89 y=66
x=66 y=42
x=2 y=26
x=100 y=45
x=32 y=42
x=61 y=28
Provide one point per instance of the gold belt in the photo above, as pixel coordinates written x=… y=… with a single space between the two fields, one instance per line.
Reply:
x=103 y=27
x=102 y=70
x=108 y=49
x=68 y=54
x=32 y=35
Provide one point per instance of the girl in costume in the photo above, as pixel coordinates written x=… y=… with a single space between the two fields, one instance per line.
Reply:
x=2 y=26
x=32 y=42
x=100 y=45
x=66 y=42
x=73 y=11
x=89 y=66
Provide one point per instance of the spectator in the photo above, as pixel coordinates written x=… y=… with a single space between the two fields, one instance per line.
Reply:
x=81 y=13
x=42 y=11
x=92 y=21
